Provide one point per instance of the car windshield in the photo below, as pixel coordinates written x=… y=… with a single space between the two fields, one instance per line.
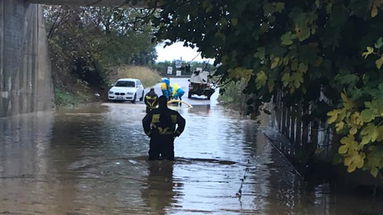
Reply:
x=124 y=84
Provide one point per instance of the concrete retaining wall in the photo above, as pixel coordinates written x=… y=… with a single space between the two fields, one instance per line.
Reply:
x=25 y=72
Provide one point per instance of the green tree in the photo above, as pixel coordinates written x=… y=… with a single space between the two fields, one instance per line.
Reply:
x=88 y=40
x=186 y=67
x=310 y=50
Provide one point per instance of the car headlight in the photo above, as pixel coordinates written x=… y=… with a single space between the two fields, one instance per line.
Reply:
x=129 y=93
x=110 y=92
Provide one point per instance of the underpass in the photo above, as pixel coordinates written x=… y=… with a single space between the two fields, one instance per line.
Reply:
x=93 y=160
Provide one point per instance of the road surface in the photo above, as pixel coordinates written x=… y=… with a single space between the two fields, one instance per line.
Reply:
x=93 y=161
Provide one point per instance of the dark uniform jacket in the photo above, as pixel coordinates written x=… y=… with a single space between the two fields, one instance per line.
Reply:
x=163 y=122
x=151 y=99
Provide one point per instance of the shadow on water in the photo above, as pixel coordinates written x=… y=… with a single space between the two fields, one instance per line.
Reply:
x=180 y=160
x=161 y=190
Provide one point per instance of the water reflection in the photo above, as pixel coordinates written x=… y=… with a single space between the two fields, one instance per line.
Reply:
x=23 y=144
x=93 y=161
x=161 y=189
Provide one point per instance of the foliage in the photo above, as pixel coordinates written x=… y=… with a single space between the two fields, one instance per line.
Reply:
x=109 y=35
x=72 y=92
x=64 y=98
x=85 y=41
x=360 y=119
x=231 y=95
x=325 y=54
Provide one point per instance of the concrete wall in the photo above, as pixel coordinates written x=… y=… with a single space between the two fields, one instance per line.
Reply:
x=25 y=73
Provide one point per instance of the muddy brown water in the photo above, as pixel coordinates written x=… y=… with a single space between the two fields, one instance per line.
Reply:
x=93 y=161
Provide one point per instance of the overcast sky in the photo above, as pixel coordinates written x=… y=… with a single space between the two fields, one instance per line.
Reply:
x=178 y=51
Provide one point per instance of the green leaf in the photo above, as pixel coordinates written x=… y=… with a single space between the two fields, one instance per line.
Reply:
x=333 y=115
x=286 y=60
x=374 y=11
x=353 y=130
x=275 y=62
x=287 y=38
x=279 y=6
x=379 y=62
x=297 y=79
x=285 y=79
x=367 y=115
x=303 y=33
x=369 y=51
x=347 y=79
x=240 y=73
x=379 y=43
x=339 y=126
x=349 y=143
x=354 y=161
x=342 y=149
x=294 y=66
x=260 y=53
x=302 y=68
x=374 y=172
x=261 y=79
x=369 y=134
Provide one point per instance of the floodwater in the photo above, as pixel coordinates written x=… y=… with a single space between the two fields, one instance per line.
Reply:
x=92 y=160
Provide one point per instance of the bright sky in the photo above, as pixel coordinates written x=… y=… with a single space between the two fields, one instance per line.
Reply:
x=177 y=51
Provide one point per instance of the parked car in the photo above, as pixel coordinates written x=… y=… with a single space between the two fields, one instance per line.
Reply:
x=126 y=89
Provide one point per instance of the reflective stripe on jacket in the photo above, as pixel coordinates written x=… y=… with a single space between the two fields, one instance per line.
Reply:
x=163 y=121
x=151 y=101
x=163 y=130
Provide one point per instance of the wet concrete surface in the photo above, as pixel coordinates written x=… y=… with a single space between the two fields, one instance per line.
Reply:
x=93 y=161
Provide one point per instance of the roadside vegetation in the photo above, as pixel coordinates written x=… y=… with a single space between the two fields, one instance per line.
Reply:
x=325 y=55
x=231 y=95
x=86 y=44
x=149 y=77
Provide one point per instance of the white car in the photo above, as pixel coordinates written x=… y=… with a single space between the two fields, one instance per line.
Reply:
x=126 y=89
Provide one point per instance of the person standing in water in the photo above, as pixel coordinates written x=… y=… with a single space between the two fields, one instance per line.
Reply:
x=151 y=100
x=162 y=125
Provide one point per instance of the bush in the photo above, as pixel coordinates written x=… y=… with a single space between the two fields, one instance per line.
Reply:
x=147 y=76
x=64 y=98
x=232 y=95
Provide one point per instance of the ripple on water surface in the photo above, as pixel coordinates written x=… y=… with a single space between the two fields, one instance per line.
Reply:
x=93 y=161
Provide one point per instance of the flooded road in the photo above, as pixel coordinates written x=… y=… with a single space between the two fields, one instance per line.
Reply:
x=93 y=161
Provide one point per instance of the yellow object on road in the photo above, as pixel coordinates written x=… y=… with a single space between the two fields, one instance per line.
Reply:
x=179 y=101
x=175 y=88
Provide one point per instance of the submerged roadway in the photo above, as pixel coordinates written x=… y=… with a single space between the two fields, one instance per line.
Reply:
x=92 y=160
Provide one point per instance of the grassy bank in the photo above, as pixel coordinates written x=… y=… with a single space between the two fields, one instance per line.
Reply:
x=148 y=77
x=71 y=91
